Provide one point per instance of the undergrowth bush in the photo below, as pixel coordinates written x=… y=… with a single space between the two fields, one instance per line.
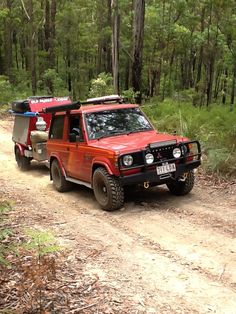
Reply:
x=101 y=86
x=214 y=127
x=5 y=231
x=28 y=261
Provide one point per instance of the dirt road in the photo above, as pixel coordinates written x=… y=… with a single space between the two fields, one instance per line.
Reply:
x=160 y=253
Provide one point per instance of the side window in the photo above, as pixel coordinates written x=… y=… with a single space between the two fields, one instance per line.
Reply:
x=75 y=127
x=57 y=126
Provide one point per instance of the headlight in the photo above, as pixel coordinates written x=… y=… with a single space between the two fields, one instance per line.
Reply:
x=149 y=158
x=176 y=152
x=127 y=160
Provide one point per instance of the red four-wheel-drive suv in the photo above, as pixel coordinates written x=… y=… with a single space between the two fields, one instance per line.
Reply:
x=108 y=146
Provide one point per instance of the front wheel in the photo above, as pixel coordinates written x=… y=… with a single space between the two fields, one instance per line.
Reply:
x=107 y=190
x=182 y=186
x=58 y=179
x=22 y=162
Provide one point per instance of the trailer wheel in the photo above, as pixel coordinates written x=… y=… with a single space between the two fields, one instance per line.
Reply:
x=107 y=190
x=182 y=187
x=59 y=181
x=22 y=162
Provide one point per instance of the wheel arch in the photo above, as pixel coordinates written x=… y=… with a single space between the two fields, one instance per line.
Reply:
x=52 y=158
x=20 y=147
x=100 y=164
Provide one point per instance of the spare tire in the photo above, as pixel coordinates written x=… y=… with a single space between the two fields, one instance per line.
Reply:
x=20 y=106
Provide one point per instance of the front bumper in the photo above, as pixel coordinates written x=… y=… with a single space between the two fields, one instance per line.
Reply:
x=151 y=176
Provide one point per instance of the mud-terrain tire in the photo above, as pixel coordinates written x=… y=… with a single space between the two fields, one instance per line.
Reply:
x=178 y=187
x=22 y=162
x=107 y=190
x=58 y=179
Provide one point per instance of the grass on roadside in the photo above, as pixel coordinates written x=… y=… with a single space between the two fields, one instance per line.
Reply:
x=214 y=127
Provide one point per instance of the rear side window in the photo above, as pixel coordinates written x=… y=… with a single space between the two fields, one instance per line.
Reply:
x=56 y=131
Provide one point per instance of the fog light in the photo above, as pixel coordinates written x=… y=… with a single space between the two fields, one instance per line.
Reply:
x=149 y=158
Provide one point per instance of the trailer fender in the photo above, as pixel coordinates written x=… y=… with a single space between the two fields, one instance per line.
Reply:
x=20 y=147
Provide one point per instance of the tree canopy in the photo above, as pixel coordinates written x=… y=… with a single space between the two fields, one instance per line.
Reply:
x=157 y=47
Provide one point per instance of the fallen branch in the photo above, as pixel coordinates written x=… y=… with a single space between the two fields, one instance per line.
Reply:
x=84 y=308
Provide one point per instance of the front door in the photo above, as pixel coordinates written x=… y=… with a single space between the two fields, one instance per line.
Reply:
x=75 y=148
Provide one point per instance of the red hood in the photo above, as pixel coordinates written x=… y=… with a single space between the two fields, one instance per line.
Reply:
x=135 y=141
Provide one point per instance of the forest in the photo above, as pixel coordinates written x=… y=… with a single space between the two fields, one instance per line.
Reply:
x=178 y=56
x=154 y=47
x=160 y=253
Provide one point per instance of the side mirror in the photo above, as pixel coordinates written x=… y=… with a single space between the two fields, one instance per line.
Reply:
x=72 y=137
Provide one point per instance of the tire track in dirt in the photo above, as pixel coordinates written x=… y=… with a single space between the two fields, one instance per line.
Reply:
x=171 y=254
x=194 y=208
x=138 y=262
x=142 y=257
x=92 y=236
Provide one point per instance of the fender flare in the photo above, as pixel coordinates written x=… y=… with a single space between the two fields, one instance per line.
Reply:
x=53 y=157
x=20 y=147
x=103 y=164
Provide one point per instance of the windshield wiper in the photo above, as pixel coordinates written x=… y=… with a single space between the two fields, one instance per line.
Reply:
x=116 y=133
x=139 y=130
x=112 y=133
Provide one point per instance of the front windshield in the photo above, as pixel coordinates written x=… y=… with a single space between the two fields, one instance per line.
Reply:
x=115 y=122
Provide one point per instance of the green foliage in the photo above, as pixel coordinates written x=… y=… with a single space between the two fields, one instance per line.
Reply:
x=5 y=207
x=5 y=232
x=214 y=127
x=101 y=86
x=129 y=95
x=5 y=90
x=41 y=243
x=52 y=83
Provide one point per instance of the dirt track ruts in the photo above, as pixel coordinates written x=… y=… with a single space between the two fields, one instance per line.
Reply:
x=162 y=254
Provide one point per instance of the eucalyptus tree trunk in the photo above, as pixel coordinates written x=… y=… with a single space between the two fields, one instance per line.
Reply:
x=115 y=44
x=8 y=42
x=52 y=34
x=32 y=45
x=138 y=32
x=201 y=51
x=108 y=41
x=233 y=87
x=50 y=31
x=104 y=21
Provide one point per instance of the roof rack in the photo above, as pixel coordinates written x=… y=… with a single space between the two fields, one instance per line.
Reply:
x=104 y=99
x=76 y=105
x=65 y=107
x=39 y=97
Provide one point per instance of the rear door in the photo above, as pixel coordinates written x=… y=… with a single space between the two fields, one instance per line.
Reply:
x=55 y=144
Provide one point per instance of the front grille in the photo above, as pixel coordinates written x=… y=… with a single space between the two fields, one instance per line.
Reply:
x=138 y=159
x=163 y=153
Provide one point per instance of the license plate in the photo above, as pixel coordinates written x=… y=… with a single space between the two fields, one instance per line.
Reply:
x=166 y=168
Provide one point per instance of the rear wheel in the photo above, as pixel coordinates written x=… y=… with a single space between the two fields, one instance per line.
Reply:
x=182 y=186
x=107 y=190
x=22 y=162
x=59 y=181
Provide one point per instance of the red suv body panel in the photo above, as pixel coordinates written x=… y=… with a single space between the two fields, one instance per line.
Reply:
x=79 y=159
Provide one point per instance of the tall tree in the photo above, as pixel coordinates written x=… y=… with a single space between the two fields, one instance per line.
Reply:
x=8 y=40
x=138 y=33
x=115 y=44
